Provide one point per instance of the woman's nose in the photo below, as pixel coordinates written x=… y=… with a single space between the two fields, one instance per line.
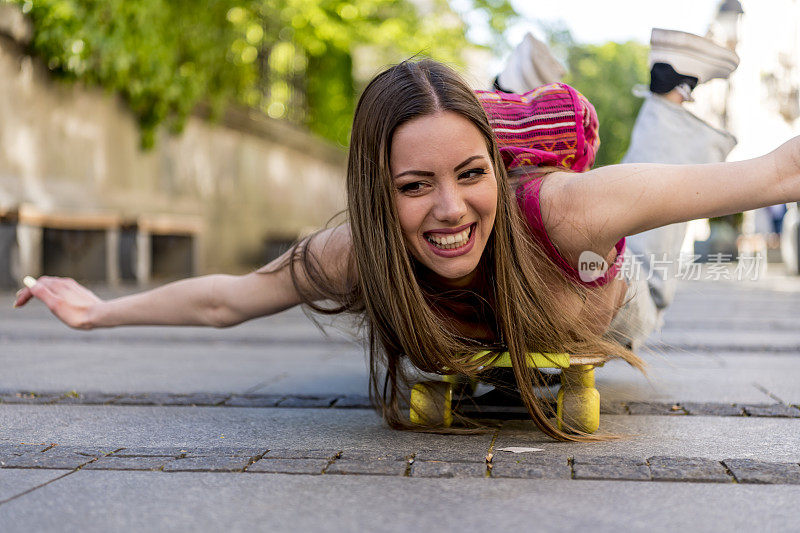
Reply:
x=450 y=204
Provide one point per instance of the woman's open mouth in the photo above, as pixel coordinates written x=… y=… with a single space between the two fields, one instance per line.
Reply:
x=452 y=244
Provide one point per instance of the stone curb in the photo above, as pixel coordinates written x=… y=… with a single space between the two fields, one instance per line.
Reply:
x=7 y=336
x=789 y=349
x=352 y=401
x=355 y=462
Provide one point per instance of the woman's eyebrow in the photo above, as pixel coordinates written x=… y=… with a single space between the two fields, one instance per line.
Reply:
x=467 y=162
x=429 y=173
x=415 y=172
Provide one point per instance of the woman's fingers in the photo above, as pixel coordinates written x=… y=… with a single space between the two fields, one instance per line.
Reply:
x=22 y=297
x=17 y=300
x=44 y=292
x=41 y=288
x=24 y=294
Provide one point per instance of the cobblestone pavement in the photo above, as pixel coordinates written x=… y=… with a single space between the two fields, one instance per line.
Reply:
x=267 y=425
x=354 y=401
x=318 y=462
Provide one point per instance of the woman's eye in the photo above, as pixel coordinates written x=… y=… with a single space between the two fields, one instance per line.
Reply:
x=411 y=187
x=472 y=173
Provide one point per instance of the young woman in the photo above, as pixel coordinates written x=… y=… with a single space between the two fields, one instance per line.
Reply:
x=439 y=255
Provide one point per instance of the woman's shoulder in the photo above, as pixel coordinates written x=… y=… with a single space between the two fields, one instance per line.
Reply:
x=322 y=261
x=333 y=248
x=337 y=239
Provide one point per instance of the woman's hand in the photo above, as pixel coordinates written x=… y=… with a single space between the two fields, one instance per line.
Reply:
x=71 y=302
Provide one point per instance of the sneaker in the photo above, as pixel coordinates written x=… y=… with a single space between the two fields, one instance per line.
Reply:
x=691 y=55
x=530 y=65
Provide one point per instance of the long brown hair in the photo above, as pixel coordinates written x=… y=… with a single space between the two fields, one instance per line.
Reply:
x=402 y=320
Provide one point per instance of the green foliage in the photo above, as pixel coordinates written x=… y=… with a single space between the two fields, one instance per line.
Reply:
x=605 y=74
x=293 y=59
x=499 y=15
x=331 y=96
x=307 y=49
x=162 y=56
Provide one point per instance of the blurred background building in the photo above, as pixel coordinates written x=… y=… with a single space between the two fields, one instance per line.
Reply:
x=759 y=103
x=150 y=140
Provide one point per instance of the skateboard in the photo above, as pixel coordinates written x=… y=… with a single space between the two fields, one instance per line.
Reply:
x=577 y=401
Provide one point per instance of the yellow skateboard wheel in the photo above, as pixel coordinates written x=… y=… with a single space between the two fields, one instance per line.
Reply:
x=578 y=406
x=431 y=403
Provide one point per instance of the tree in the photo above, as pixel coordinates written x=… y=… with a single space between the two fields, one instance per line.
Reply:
x=605 y=74
x=293 y=59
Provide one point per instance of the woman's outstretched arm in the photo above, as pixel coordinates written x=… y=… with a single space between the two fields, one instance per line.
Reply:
x=593 y=210
x=187 y=302
x=270 y=289
x=217 y=300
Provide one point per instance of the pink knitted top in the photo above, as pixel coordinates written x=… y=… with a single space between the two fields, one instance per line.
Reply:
x=528 y=200
x=552 y=125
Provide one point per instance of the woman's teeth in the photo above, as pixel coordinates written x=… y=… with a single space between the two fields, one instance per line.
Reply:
x=451 y=241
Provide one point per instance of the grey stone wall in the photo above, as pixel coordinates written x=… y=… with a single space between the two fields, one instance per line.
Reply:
x=68 y=148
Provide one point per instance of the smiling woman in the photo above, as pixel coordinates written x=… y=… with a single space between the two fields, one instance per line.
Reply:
x=442 y=263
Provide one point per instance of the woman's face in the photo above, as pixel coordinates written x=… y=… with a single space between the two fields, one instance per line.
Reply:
x=445 y=192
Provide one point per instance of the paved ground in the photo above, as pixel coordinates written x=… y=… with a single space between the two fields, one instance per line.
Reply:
x=266 y=426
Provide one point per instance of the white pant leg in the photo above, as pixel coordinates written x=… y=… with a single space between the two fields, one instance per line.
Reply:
x=659 y=252
x=650 y=268
x=639 y=316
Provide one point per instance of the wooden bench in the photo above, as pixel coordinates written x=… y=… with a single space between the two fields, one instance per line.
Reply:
x=102 y=245
x=82 y=233
x=168 y=246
